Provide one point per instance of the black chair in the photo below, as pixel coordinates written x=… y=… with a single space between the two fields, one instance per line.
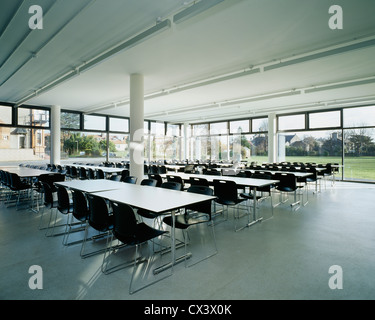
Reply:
x=64 y=206
x=124 y=174
x=150 y=215
x=178 y=179
x=171 y=185
x=263 y=193
x=149 y=182
x=48 y=203
x=129 y=232
x=194 y=215
x=130 y=179
x=115 y=177
x=287 y=184
x=100 y=220
x=80 y=212
x=156 y=177
x=212 y=172
x=100 y=174
x=91 y=174
x=227 y=196
x=194 y=181
x=18 y=186
x=73 y=172
x=82 y=173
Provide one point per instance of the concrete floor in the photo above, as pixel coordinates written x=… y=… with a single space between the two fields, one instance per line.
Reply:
x=286 y=257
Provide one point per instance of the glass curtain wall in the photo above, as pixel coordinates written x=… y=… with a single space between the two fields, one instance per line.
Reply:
x=359 y=143
x=24 y=135
x=345 y=137
x=244 y=140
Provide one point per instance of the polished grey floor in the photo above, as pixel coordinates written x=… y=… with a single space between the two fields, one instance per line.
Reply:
x=286 y=257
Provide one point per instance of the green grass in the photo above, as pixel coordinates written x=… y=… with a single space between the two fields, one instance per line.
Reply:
x=355 y=168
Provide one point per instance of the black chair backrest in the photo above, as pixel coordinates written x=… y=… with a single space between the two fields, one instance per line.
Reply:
x=48 y=195
x=91 y=174
x=204 y=207
x=115 y=177
x=226 y=190
x=149 y=182
x=212 y=172
x=130 y=179
x=177 y=179
x=288 y=181
x=156 y=177
x=171 y=185
x=244 y=174
x=124 y=221
x=194 y=181
x=73 y=172
x=124 y=173
x=80 y=205
x=63 y=202
x=82 y=173
x=98 y=213
x=99 y=174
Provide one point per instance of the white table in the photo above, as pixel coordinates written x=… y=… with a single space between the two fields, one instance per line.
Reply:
x=240 y=181
x=157 y=200
x=96 y=185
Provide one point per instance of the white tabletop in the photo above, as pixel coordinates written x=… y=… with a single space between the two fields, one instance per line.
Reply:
x=153 y=199
x=25 y=172
x=91 y=185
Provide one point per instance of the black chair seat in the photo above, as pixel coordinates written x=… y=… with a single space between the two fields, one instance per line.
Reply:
x=229 y=202
x=250 y=196
x=141 y=233
x=183 y=221
x=147 y=214
x=103 y=227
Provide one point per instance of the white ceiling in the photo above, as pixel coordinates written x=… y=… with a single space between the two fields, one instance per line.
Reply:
x=185 y=67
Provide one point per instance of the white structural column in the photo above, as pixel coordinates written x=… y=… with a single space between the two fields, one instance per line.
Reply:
x=136 y=126
x=186 y=142
x=55 y=135
x=272 y=138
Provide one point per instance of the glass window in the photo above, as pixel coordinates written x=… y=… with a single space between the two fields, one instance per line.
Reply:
x=158 y=128
x=310 y=146
x=219 y=148
x=24 y=145
x=173 y=130
x=80 y=146
x=329 y=119
x=5 y=115
x=249 y=147
x=119 y=124
x=70 y=120
x=239 y=126
x=359 y=158
x=94 y=122
x=260 y=125
x=359 y=117
x=292 y=122
x=172 y=148
x=200 y=129
x=145 y=127
x=33 y=117
x=219 y=128
x=118 y=147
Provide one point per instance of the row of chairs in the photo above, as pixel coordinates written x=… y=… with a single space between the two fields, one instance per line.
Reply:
x=12 y=184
